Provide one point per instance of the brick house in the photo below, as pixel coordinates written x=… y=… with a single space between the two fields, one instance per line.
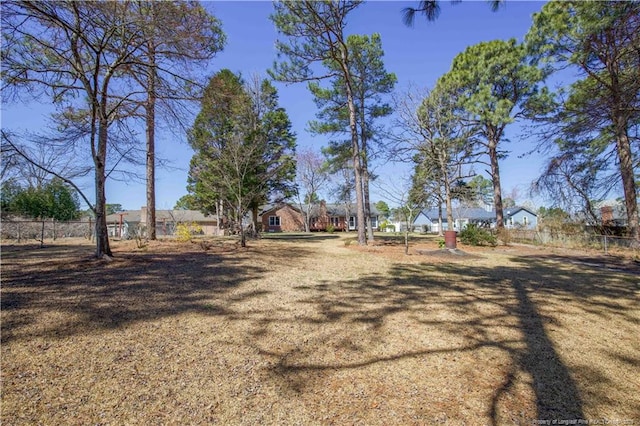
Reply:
x=344 y=218
x=288 y=218
x=325 y=215
x=282 y=217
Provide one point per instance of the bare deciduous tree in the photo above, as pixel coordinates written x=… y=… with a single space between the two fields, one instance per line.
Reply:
x=312 y=175
x=73 y=51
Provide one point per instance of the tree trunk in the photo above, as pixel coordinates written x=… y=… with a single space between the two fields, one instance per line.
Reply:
x=406 y=240
x=218 y=208
x=102 y=235
x=357 y=169
x=239 y=215
x=254 y=219
x=449 y=211
x=360 y=217
x=447 y=191
x=151 y=150
x=628 y=181
x=367 y=201
x=495 y=176
x=307 y=218
x=440 y=230
x=355 y=147
x=365 y=169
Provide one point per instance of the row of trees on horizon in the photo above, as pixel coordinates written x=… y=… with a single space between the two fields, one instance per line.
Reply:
x=110 y=67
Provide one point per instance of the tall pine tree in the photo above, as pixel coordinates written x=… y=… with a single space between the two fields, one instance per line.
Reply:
x=244 y=148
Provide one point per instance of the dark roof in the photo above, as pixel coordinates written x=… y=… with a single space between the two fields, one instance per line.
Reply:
x=332 y=209
x=131 y=216
x=269 y=207
x=475 y=213
x=508 y=212
x=472 y=213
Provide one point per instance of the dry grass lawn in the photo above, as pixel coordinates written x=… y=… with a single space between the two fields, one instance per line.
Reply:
x=304 y=330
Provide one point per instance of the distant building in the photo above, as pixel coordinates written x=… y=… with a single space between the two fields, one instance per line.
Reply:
x=281 y=217
x=514 y=217
x=612 y=213
x=284 y=217
x=128 y=223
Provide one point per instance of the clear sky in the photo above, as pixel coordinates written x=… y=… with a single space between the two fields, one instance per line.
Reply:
x=417 y=55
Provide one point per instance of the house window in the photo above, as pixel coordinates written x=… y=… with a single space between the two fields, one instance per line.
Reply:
x=374 y=221
x=335 y=221
x=274 y=220
x=352 y=222
x=525 y=220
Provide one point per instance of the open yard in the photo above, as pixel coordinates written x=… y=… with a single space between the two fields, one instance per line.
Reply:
x=306 y=330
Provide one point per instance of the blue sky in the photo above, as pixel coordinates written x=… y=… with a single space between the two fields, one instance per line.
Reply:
x=417 y=55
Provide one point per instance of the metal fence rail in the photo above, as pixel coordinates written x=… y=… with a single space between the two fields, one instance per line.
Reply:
x=24 y=230
x=601 y=242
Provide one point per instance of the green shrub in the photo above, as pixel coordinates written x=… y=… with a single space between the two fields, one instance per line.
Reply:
x=441 y=243
x=330 y=228
x=474 y=236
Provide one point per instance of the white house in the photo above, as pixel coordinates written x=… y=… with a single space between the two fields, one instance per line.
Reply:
x=514 y=217
x=520 y=217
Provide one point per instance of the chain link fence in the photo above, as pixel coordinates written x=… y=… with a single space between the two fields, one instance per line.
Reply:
x=577 y=240
x=24 y=230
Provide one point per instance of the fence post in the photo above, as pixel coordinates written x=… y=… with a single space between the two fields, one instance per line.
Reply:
x=42 y=235
x=605 y=243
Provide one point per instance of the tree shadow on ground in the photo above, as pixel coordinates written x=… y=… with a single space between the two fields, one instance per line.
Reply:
x=83 y=294
x=299 y=237
x=502 y=321
x=505 y=308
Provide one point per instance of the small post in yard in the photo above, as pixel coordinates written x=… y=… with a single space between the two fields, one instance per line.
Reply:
x=120 y=226
x=42 y=235
x=605 y=243
x=450 y=239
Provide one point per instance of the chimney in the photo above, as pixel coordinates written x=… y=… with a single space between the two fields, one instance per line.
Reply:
x=143 y=215
x=607 y=215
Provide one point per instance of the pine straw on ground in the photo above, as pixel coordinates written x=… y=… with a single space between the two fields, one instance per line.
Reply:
x=308 y=331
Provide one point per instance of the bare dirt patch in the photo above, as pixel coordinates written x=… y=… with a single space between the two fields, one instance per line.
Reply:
x=304 y=330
